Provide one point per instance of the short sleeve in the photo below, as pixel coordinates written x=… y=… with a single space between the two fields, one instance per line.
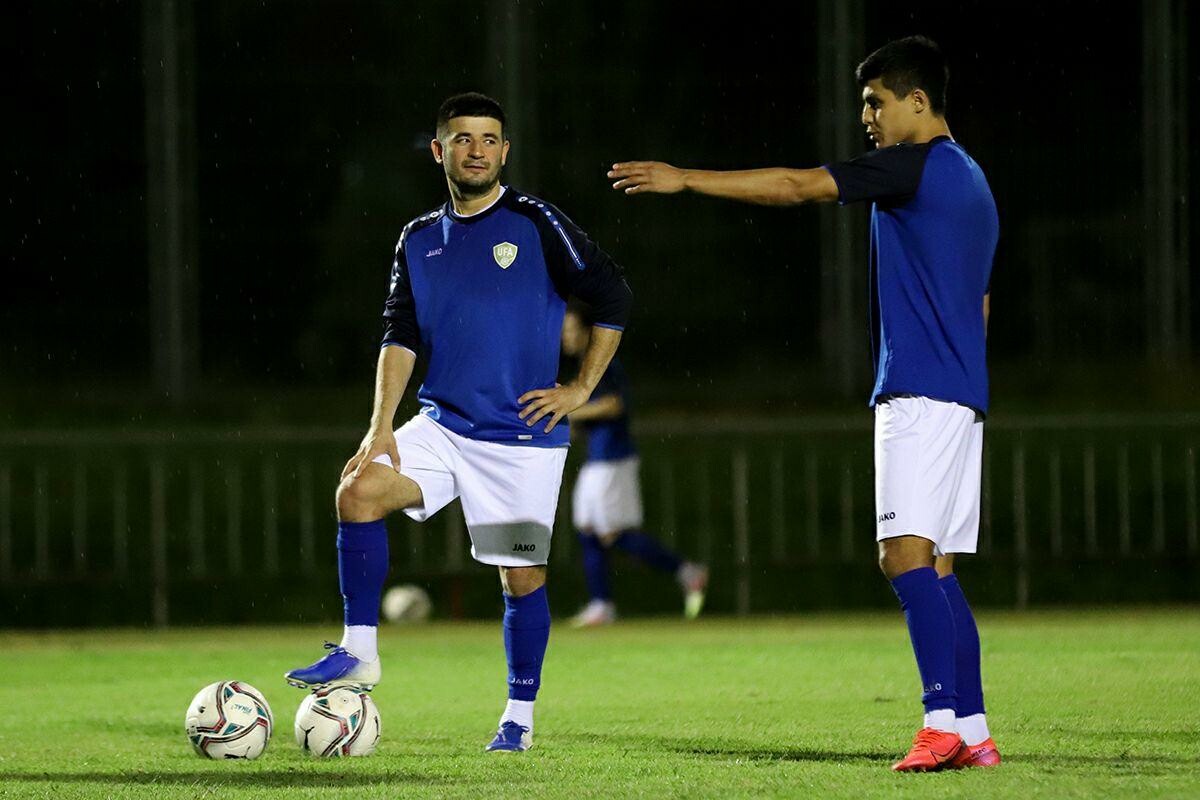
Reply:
x=890 y=174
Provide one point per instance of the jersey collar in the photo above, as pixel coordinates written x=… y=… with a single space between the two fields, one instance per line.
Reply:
x=480 y=214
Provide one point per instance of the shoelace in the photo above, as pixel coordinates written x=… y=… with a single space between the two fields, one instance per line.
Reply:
x=927 y=736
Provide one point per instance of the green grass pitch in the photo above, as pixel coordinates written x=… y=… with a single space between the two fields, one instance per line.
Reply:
x=1082 y=703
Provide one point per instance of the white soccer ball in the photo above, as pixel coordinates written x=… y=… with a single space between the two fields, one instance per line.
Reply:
x=229 y=719
x=337 y=721
x=406 y=603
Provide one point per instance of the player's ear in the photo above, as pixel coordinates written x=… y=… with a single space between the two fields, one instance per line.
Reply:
x=919 y=100
x=435 y=146
x=504 y=153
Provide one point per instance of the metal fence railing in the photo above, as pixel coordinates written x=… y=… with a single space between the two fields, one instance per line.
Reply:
x=156 y=509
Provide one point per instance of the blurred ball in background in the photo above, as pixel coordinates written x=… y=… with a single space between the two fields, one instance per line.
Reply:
x=406 y=603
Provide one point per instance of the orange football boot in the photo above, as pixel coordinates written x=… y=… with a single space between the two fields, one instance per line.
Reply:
x=932 y=749
x=984 y=754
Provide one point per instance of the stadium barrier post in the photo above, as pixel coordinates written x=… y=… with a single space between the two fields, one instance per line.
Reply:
x=158 y=541
x=1020 y=529
x=741 y=529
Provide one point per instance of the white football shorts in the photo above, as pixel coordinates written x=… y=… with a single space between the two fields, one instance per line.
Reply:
x=608 y=496
x=928 y=463
x=509 y=492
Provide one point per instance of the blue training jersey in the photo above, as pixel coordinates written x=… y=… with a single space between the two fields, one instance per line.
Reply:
x=934 y=230
x=483 y=298
x=610 y=439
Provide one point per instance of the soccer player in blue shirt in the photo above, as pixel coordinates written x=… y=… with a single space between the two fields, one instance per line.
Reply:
x=934 y=229
x=606 y=505
x=479 y=286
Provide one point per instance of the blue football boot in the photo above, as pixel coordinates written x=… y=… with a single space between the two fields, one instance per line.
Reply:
x=511 y=738
x=337 y=668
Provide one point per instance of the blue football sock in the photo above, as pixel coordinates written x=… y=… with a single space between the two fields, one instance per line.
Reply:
x=931 y=629
x=648 y=550
x=595 y=567
x=362 y=569
x=966 y=650
x=526 y=632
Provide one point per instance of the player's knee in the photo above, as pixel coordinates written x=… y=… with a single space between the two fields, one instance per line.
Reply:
x=520 y=581
x=892 y=561
x=358 y=500
x=608 y=539
x=903 y=554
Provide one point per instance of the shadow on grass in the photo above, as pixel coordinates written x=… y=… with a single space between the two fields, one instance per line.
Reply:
x=695 y=747
x=267 y=779
x=779 y=753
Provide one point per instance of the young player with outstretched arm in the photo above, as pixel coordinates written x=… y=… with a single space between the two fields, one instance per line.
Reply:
x=934 y=229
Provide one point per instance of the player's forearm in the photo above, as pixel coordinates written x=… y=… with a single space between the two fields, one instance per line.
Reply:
x=610 y=406
x=596 y=358
x=392 y=373
x=774 y=186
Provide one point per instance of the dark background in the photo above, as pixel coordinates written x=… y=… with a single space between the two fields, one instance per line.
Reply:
x=302 y=134
x=310 y=151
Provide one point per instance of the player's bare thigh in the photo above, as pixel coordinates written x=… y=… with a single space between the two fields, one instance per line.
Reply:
x=374 y=494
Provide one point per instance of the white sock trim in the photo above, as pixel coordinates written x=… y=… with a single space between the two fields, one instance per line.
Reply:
x=361 y=641
x=942 y=719
x=973 y=729
x=520 y=712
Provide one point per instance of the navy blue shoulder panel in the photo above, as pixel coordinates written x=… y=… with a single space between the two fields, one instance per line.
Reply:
x=577 y=266
x=889 y=174
x=423 y=221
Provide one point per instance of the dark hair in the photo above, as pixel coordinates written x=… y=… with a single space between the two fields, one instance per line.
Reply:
x=468 y=104
x=914 y=62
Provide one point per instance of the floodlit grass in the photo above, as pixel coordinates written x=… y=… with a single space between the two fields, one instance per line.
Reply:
x=1082 y=703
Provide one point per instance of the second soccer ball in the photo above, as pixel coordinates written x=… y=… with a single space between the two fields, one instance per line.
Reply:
x=337 y=721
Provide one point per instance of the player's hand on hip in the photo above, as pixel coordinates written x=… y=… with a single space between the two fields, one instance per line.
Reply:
x=636 y=177
x=555 y=403
x=374 y=444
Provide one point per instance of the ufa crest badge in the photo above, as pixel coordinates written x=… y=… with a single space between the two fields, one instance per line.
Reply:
x=505 y=254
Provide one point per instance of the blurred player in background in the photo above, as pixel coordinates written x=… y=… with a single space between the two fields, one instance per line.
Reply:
x=607 y=502
x=934 y=229
x=480 y=286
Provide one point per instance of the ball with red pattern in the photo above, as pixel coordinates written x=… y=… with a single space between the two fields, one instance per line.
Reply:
x=229 y=720
x=337 y=721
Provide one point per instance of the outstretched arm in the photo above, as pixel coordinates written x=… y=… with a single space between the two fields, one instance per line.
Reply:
x=775 y=186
